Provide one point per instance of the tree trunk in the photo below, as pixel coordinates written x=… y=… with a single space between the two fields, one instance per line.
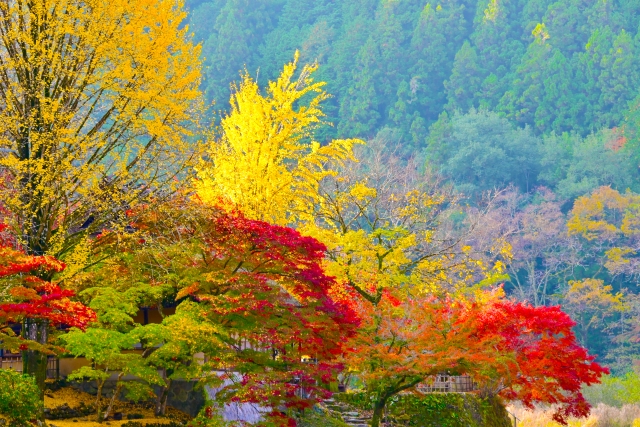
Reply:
x=378 y=411
x=100 y=384
x=116 y=392
x=161 y=402
x=34 y=362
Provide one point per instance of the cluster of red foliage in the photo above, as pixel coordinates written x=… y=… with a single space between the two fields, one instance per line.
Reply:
x=514 y=350
x=261 y=253
x=546 y=363
x=266 y=287
x=35 y=298
x=47 y=301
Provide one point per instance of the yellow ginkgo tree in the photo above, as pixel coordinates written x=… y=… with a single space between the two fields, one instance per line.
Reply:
x=264 y=160
x=96 y=105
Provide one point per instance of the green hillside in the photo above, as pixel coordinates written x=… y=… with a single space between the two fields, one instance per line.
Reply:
x=559 y=66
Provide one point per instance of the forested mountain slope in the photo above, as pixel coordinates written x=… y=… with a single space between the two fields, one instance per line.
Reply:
x=566 y=65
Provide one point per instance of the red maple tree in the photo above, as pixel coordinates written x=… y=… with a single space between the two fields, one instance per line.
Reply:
x=511 y=349
x=542 y=360
x=262 y=289
x=30 y=297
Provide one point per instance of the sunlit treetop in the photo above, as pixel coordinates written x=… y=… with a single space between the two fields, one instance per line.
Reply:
x=265 y=161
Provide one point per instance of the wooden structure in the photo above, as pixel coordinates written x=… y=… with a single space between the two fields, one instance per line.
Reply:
x=13 y=361
x=443 y=383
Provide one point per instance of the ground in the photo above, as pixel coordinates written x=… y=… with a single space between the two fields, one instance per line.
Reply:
x=73 y=398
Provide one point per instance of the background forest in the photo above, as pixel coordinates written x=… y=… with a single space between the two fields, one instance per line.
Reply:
x=535 y=101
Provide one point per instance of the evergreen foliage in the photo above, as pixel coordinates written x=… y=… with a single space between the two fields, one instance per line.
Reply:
x=556 y=66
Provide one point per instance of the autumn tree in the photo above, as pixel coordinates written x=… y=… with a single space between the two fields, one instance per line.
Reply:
x=264 y=290
x=394 y=248
x=251 y=296
x=127 y=276
x=607 y=222
x=536 y=357
x=109 y=343
x=611 y=221
x=387 y=225
x=592 y=305
x=403 y=341
x=265 y=162
x=422 y=278
x=511 y=349
x=26 y=296
x=543 y=254
x=96 y=104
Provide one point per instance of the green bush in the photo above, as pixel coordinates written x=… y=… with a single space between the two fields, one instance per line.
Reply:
x=437 y=410
x=19 y=397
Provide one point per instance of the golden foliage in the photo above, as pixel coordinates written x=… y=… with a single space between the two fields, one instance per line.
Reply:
x=612 y=219
x=387 y=227
x=265 y=161
x=74 y=398
x=591 y=301
x=96 y=105
x=591 y=214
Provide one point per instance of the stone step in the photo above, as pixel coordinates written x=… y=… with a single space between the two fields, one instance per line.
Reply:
x=349 y=416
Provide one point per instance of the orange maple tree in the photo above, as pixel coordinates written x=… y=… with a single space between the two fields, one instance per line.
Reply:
x=514 y=350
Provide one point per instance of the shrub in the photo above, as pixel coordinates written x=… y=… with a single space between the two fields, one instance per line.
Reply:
x=19 y=397
x=437 y=409
x=311 y=418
